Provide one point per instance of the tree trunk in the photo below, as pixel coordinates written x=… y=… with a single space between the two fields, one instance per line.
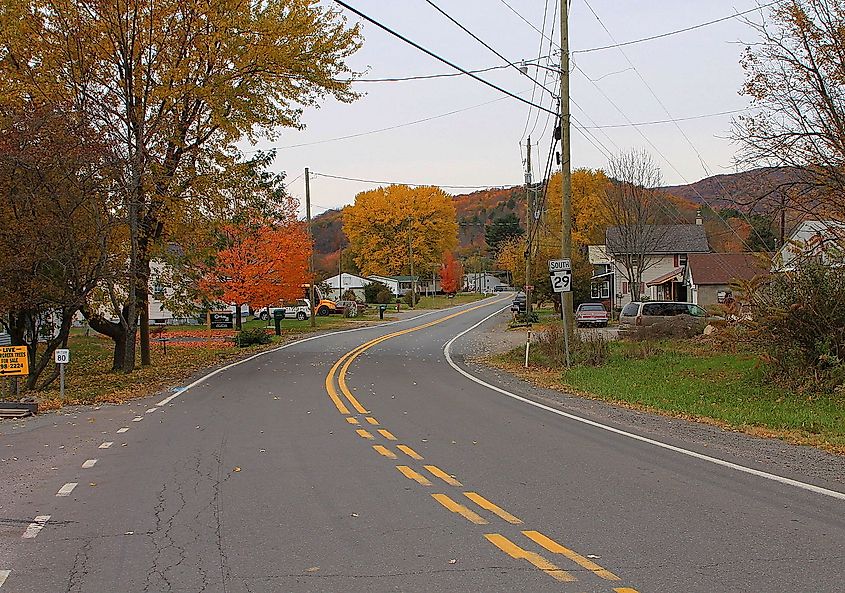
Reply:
x=143 y=289
x=115 y=331
x=238 y=323
x=129 y=347
x=39 y=364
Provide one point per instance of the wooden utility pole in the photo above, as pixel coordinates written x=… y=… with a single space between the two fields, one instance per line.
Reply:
x=411 y=259
x=565 y=149
x=313 y=314
x=529 y=220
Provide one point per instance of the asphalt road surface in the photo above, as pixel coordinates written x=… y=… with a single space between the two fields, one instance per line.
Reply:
x=364 y=462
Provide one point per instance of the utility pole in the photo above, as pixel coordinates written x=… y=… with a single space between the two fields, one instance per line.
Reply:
x=313 y=314
x=411 y=259
x=565 y=170
x=529 y=220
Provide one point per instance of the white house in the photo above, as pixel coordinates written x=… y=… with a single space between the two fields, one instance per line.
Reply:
x=823 y=239
x=340 y=283
x=483 y=282
x=666 y=249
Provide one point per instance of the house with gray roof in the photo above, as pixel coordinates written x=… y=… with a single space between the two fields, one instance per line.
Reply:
x=656 y=255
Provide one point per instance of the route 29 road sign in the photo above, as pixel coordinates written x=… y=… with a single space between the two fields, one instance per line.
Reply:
x=557 y=265
x=62 y=356
x=561 y=280
x=13 y=361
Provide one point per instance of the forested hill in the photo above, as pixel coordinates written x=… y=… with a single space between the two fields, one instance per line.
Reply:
x=753 y=190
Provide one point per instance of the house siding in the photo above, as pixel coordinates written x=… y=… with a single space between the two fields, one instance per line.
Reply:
x=664 y=265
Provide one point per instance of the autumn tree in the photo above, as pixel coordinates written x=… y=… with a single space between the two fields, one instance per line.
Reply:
x=172 y=86
x=794 y=78
x=264 y=264
x=57 y=232
x=390 y=227
x=451 y=274
x=634 y=206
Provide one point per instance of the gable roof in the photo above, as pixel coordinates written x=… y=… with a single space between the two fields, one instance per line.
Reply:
x=661 y=239
x=723 y=268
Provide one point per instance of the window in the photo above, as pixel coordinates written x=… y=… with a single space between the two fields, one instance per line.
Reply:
x=624 y=288
x=600 y=290
x=682 y=259
x=697 y=311
x=591 y=307
x=654 y=309
x=631 y=310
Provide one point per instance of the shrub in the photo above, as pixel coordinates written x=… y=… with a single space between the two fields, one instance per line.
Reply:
x=407 y=298
x=585 y=349
x=678 y=327
x=251 y=337
x=526 y=317
x=349 y=295
x=374 y=292
x=798 y=320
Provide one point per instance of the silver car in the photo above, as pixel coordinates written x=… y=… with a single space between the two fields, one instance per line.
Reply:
x=637 y=314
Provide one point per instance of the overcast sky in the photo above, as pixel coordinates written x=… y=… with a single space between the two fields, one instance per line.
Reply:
x=692 y=74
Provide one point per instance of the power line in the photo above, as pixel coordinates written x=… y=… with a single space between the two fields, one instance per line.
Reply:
x=674 y=121
x=428 y=184
x=667 y=121
x=435 y=56
x=545 y=73
x=388 y=128
x=677 y=31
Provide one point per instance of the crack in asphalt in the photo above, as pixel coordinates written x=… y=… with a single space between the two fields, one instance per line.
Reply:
x=79 y=568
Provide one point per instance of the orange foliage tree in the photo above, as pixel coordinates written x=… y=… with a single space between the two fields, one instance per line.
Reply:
x=451 y=274
x=264 y=264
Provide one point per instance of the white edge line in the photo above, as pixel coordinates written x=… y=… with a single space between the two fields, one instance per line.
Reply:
x=204 y=378
x=4 y=574
x=636 y=437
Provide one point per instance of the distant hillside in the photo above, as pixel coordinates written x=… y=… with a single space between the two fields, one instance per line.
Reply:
x=755 y=191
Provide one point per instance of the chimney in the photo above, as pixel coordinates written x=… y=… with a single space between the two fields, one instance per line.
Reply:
x=698 y=220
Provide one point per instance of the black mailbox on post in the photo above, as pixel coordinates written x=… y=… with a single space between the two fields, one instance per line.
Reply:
x=381 y=310
x=278 y=315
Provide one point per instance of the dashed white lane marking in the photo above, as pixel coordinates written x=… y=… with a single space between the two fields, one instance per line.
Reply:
x=33 y=529
x=122 y=430
x=151 y=410
x=4 y=574
x=66 y=489
x=137 y=418
x=714 y=460
x=205 y=378
x=89 y=463
x=106 y=445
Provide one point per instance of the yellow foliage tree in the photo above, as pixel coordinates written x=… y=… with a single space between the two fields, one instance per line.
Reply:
x=589 y=221
x=388 y=225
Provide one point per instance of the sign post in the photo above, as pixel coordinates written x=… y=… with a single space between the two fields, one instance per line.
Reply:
x=560 y=271
x=62 y=357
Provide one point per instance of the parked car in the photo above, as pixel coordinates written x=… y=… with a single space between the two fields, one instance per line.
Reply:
x=637 y=313
x=503 y=288
x=591 y=314
x=519 y=303
x=300 y=309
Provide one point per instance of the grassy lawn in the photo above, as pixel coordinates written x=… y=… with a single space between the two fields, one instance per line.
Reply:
x=190 y=349
x=684 y=380
x=443 y=302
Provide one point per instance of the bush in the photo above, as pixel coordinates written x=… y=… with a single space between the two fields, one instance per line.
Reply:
x=527 y=317
x=678 y=327
x=377 y=292
x=585 y=349
x=407 y=298
x=797 y=319
x=252 y=337
x=349 y=295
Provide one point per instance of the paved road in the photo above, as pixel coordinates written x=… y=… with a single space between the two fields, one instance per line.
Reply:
x=363 y=462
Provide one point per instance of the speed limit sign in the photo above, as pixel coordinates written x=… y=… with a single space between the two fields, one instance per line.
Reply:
x=561 y=280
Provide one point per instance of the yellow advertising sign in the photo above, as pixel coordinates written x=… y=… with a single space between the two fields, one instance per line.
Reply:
x=13 y=361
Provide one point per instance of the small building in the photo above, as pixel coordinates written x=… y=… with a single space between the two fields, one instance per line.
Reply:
x=339 y=284
x=483 y=282
x=709 y=276
x=820 y=239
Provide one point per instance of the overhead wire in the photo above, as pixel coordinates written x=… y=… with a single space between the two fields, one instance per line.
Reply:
x=545 y=76
x=435 y=56
x=415 y=184
x=660 y=102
